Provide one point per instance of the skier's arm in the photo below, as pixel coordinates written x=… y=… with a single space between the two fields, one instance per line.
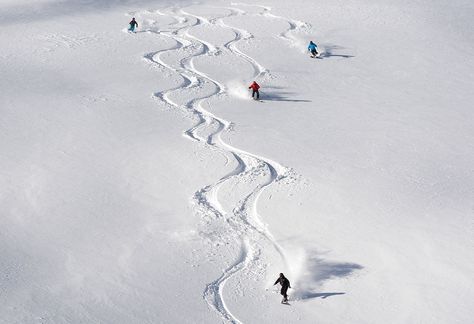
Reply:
x=278 y=280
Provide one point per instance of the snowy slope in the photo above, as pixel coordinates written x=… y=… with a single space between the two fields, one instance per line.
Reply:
x=139 y=183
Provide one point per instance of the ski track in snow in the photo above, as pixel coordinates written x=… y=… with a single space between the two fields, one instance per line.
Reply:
x=243 y=223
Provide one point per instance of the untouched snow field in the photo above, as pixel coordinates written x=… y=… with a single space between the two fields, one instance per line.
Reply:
x=139 y=183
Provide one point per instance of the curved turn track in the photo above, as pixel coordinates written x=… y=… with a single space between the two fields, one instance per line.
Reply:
x=241 y=224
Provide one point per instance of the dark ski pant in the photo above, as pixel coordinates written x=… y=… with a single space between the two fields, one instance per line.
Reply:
x=314 y=52
x=283 y=292
x=255 y=92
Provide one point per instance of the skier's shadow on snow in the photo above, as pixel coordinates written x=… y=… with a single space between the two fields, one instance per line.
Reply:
x=328 y=51
x=317 y=272
x=280 y=96
x=320 y=295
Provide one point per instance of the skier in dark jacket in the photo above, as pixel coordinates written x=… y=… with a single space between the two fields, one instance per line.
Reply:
x=285 y=284
x=254 y=86
x=132 y=25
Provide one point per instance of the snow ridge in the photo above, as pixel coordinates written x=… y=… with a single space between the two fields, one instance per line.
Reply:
x=244 y=225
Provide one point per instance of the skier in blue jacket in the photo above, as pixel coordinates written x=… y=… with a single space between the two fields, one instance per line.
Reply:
x=313 y=49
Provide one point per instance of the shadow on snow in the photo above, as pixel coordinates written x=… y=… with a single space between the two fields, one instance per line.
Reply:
x=328 y=51
x=316 y=272
x=280 y=96
x=320 y=295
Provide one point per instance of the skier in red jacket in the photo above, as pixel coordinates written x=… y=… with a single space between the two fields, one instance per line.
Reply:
x=254 y=86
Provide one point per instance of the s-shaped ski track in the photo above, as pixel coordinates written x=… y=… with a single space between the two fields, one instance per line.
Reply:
x=244 y=223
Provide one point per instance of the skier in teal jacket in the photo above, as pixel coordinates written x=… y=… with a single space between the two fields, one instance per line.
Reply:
x=132 y=25
x=313 y=48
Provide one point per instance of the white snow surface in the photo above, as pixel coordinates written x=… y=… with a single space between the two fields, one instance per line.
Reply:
x=139 y=183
